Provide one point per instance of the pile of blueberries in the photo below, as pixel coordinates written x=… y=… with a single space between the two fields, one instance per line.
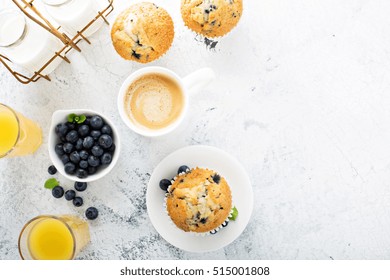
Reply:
x=86 y=146
x=58 y=191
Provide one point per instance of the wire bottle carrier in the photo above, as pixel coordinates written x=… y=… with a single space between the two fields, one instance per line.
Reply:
x=29 y=10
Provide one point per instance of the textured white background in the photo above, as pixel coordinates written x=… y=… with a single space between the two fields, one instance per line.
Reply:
x=301 y=100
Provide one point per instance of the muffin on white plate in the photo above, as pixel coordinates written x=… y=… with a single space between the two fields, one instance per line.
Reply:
x=198 y=200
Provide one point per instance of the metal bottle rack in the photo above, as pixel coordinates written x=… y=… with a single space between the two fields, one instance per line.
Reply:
x=32 y=13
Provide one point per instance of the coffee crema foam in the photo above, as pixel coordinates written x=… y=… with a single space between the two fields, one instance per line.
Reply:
x=154 y=101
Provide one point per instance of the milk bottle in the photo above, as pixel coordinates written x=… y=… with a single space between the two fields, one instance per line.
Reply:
x=26 y=43
x=74 y=15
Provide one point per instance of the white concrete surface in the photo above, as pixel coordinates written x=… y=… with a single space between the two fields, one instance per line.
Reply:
x=301 y=100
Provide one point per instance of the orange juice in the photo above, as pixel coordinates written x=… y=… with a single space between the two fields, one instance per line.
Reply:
x=18 y=134
x=53 y=238
x=9 y=131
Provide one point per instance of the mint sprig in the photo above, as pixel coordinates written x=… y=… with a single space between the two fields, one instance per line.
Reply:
x=73 y=118
x=51 y=183
x=234 y=214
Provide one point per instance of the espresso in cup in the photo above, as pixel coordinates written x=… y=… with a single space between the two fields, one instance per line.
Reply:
x=154 y=101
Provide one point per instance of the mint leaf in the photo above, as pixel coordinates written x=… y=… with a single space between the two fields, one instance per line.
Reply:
x=234 y=215
x=81 y=119
x=51 y=183
x=71 y=117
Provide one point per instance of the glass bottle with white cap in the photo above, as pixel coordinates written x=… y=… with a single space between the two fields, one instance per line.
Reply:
x=74 y=15
x=26 y=43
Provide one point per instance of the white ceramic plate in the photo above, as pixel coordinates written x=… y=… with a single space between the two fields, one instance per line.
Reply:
x=206 y=157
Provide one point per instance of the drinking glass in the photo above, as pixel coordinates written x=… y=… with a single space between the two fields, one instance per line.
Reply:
x=19 y=135
x=50 y=237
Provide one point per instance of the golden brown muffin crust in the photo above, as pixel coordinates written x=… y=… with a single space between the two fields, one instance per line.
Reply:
x=211 y=18
x=199 y=201
x=143 y=32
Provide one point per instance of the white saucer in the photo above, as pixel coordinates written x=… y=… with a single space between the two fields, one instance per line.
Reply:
x=206 y=157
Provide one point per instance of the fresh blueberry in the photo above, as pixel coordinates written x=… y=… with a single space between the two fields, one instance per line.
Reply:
x=61 y=129
x=183 y=168
x=83 y=154
x=81 y=173
x=52 y=170
x=59 y=149
x=68 y=148
x=112 y=148
x=77 y=201
x=92 y=170
x=87 y=121
x=79 y=144
x=91 y=213
x=105 y=141
x=97 y=151
x=135 y=54
x=216 y=178
x=106 y=129
x=225 y=224
x=88 y=142
x=75 y=157
x=72 y=136
x=70 y=168
x=97 y=122
x=64 y=159
x=70 y=194
x=83 y=164
x=83 y=130
x=95 y=134
x=106 y=158
x=70 y=125
x=80 y=186
x=93 y=161
x=57 y=192
x=164 y=184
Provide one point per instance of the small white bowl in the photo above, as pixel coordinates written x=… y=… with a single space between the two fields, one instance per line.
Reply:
x=60 y=116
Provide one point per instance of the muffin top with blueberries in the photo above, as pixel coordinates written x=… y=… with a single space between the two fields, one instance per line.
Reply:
x=199 y=200
x=211 y=18
x=143 y=32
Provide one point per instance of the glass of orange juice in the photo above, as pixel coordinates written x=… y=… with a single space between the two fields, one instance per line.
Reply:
x=18 y=135
x=49 y=237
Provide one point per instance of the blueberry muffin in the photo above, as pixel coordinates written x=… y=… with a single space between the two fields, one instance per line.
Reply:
x=199 y=201
x=143 y=32
x=211 y=18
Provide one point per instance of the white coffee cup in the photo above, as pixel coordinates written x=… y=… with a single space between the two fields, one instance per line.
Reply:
x=191 y=83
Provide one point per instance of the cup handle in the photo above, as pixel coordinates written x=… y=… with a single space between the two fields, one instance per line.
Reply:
x=199 y=79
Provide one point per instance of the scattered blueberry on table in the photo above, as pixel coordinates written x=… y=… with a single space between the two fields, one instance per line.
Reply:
x=58 y=192
x=70 y=195
x=78 y=201
x=91 y=213
x=52 y=170
x=80 y=186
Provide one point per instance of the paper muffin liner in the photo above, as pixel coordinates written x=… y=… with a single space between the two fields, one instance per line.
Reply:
x=199 y=234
